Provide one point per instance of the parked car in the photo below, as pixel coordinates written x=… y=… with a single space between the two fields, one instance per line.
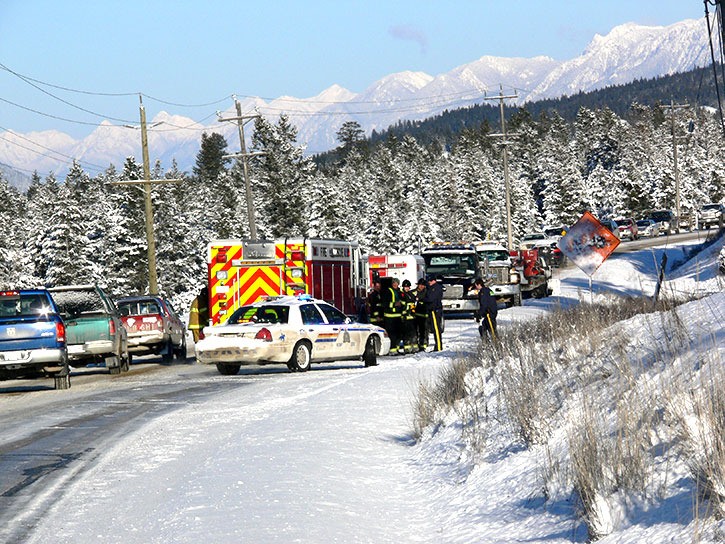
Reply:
x=611 y=225
x=546 y=246
x=32 y=337
x=710 y=215
x=93 y=328
x=627 y=229
x=648 y=228
x=666 y=219
x=153 y=327
x=296 y=331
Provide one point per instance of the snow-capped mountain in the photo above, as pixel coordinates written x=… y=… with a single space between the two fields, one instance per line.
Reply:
x=627 y=53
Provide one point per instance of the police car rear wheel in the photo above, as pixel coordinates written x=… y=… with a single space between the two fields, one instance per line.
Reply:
x=228 y=370
x=301 y=357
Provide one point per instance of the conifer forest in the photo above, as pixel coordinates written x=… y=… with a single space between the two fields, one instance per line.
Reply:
x=392 y=197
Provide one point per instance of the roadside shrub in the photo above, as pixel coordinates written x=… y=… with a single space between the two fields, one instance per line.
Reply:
x=699 y=415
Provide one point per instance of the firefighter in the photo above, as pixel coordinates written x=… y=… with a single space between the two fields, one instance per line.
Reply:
x=199 y=313
x=375 y=304
x=393 y=316
x=488 y=309
x=410 y=343
x=421 y=316
x=434 y=307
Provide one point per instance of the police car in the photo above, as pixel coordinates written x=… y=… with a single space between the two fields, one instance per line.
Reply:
x=295 y=331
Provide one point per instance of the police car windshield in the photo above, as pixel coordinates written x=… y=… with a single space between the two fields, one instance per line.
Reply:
x=260 y=314
x=450 y=264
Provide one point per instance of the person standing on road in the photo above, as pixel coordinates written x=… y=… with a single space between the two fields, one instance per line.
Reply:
x=488 y=309
x=393 y=316
x=409 y=332
x=434 y=307
x=199 y=313
x=375 y=304
x=421 y=315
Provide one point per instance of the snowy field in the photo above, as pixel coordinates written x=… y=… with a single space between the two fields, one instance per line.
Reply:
x=327 y=455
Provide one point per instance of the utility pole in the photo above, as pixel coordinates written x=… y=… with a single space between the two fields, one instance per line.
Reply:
x=672 y=107
x=148 y=209
x=505 y=142
x=241 y=121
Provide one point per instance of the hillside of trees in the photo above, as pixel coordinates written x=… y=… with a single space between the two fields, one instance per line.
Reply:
x=395 y=195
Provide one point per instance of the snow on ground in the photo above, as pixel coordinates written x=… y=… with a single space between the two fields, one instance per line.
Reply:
x=327 y=456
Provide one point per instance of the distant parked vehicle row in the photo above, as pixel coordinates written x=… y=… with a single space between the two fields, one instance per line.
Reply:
x=46 y=332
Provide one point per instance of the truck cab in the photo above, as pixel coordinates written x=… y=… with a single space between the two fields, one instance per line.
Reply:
x=499 y=272
x=459 y=265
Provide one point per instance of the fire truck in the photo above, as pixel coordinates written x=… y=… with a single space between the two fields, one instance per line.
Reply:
x=244 y=271
x=403 y=267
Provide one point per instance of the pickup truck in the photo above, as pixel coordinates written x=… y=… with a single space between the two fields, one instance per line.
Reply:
x=153 y=326
x=32 y=337
x=94 y=332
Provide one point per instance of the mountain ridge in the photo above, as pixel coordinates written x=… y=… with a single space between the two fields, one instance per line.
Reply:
x=627 y=53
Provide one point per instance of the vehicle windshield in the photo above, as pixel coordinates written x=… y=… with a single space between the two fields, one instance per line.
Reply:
x=623 y=223
x=554 y=232
x=494 y=255
x=711 y=207
x=536 y=236
x=22 y=304
x=644 y=223
x=259 y=314
x=450 y=264
x=139 y=307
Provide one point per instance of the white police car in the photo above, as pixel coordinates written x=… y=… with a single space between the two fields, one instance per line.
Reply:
x=296 y=331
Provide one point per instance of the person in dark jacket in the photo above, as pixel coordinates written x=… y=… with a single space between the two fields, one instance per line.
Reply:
x=488 y=309
x=434 y=307
x=375 y=305
x=392 y=304
x=410 y=338
x=421 y=315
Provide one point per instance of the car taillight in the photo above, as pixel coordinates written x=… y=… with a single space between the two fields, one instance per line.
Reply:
x=201 y=334
x=60 y=332
x=264 y=335
x=111 y=327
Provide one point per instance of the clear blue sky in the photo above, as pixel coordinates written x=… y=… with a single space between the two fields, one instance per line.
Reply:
x=198 y=52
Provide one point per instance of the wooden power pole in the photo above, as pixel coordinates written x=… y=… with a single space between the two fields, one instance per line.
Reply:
x=241 y=121
x=148 y=208
x=505 y=142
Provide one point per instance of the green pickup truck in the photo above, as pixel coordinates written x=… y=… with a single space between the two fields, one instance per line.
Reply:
x=94 y=332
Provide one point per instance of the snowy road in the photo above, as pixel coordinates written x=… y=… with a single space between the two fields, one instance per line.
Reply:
x=185 y=454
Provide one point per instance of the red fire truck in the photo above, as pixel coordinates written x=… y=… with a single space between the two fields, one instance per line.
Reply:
x=244 y=271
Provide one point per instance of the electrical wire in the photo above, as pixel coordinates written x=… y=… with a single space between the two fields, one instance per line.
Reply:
x=714 y=67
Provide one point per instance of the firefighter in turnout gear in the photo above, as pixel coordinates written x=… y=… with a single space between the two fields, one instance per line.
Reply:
x=421 y=316
x=434 y=307
x=393 y=316
x=410 y=342
x=199 y=313
x=375 y=304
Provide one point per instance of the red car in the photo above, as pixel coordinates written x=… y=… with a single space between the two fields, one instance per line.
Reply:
x=153 y=327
